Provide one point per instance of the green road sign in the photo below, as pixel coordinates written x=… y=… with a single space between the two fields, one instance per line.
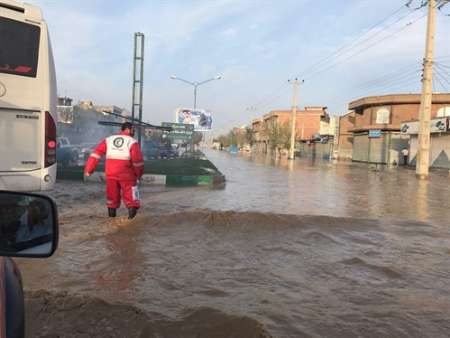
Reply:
x=179 y=131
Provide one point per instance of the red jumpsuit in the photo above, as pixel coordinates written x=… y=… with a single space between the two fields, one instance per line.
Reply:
x=124 y=166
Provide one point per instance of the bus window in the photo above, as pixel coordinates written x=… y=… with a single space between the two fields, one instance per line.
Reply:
x=19 y=47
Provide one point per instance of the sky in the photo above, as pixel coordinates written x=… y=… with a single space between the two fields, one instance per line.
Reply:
x=256 y=46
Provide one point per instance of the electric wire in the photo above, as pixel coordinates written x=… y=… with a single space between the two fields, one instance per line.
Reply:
x=439 y=80
x=391 y=80
x=388 y=75
x=388 y=81
x=342 y=49
x=268 y=98
x=366 y=48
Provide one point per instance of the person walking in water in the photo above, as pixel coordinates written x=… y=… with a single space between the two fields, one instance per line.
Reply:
x=124 y=166
x=405 y=153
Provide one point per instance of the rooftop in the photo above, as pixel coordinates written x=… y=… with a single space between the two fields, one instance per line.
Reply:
x=382 y=100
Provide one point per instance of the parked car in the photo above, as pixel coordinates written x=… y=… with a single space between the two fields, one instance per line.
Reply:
x=85 y=150
x=167 y=152
x=28 y=228
x=150 y=150
x=66 y=153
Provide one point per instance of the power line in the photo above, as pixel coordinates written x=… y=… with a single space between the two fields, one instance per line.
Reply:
x=388 y=75
x=342 y=48
x=386 y=81
x=270 y=97
x=374 y=44
x=442 y=57
x=393 y=79
x=338 y=51
x=441 y=65
x=440 y=71
x=398 y=85
x=366 y=48
x=380 y=89
x=438 y=78
x=441 y=5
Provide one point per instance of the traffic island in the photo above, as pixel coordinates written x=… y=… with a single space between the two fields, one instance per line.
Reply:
x=176 y=172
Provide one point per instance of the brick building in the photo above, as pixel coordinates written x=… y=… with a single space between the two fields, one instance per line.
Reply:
x=376 y=136
x=309 y=123
x=345 y=137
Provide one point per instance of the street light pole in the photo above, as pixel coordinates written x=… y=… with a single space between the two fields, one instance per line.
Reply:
x=195 y=96
x=195 y=84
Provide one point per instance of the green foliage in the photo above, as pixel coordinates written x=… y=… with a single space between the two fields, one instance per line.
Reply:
x=197 y=137
x=249 y=135
x=279 y=135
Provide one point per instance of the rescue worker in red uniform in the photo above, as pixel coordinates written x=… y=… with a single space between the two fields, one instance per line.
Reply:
x=124 y=166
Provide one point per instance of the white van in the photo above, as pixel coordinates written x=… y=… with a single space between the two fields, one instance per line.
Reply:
x=27 y=100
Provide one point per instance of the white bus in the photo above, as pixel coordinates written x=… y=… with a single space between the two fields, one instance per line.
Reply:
x=27 y=100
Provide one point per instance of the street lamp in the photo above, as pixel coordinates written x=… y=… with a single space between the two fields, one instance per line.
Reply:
x=195 y=84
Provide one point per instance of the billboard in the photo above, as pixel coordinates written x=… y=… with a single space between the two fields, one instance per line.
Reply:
x=200 y=118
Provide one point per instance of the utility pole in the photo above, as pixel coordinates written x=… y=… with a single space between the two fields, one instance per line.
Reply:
x=138 y=79
x=423 y=152
x=295 y=84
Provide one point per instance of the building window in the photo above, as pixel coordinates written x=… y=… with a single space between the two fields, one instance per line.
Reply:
x=383 y=115
x=443 y=112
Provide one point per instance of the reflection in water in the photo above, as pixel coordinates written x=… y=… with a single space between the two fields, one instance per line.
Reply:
x=308 y=186
x=422 y=200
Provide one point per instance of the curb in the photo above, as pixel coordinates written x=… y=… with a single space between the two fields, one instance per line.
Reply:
x=169 y=180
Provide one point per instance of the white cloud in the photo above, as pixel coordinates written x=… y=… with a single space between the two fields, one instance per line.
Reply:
x=254 y=45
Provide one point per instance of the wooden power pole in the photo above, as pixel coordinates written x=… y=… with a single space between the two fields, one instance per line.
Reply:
x=423 y=152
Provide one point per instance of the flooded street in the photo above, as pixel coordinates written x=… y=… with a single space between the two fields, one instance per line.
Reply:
x=286 y=249
x=306 y=187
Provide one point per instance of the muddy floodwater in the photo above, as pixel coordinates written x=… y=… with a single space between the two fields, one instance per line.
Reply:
x=285 y=249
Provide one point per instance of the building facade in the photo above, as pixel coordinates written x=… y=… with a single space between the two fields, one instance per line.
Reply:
x=258 y=136
x=375 y=134
x=79 y=123
x=439 y=140
x=310 y=122
x=345 y=136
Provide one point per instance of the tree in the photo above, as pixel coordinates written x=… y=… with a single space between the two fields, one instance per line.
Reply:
x=279 y=135
x=224 y=140
x=249 y=135
x=197 y=137
x=237 y=136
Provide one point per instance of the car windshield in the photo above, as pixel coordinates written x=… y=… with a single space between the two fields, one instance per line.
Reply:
x=19 y=47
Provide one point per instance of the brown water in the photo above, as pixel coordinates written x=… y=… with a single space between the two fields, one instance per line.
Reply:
x=266 y=268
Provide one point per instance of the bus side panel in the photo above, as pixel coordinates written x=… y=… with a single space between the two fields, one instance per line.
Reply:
x=47 y=63
x=20 y=141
